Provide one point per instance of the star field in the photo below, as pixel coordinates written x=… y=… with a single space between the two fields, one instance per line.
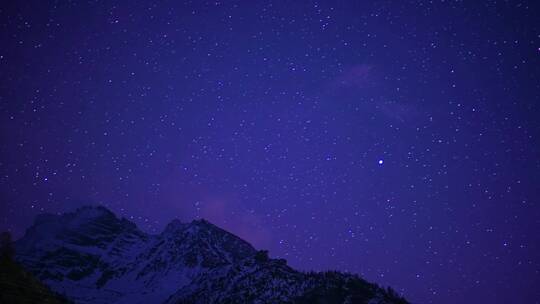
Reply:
x=394 y=139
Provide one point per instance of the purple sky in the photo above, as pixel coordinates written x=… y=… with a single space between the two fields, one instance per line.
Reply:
x=394 y=139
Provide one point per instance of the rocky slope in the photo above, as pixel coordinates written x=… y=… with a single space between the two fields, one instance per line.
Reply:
x=91 y=256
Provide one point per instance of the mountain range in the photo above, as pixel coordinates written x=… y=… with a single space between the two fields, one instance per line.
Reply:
x=92 y=256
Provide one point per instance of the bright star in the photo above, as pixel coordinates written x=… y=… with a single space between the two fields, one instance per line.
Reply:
x=380 y=162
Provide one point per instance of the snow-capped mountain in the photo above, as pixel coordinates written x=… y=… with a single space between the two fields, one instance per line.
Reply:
x=91 y=256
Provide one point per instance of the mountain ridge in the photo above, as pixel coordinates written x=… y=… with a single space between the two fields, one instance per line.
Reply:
x=92 y=256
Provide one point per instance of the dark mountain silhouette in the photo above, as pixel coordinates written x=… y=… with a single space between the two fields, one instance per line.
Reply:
x=18 y=286
x=92 y=256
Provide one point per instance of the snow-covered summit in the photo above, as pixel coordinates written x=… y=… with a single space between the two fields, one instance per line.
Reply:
x=92 y=256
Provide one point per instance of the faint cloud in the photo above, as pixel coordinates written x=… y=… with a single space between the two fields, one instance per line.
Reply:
x=355 y=77
x=364 y=86
x=236 y=219
x=397 y=111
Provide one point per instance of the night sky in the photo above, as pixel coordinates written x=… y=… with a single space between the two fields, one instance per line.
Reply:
x=394 y=139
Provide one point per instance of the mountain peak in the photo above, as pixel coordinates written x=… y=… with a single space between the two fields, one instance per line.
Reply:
x=94 y=257
x=87 y=226
x=174 y=226
x=93 y=210
x=177 y=226
x=84 y=213
x=202 y=223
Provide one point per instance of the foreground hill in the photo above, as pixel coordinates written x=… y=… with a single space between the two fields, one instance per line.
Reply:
x=18 y=286
x=92 y=256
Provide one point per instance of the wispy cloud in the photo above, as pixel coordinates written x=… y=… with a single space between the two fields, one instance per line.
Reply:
x=365 y=85
x=236 y=219
x=355 y=77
